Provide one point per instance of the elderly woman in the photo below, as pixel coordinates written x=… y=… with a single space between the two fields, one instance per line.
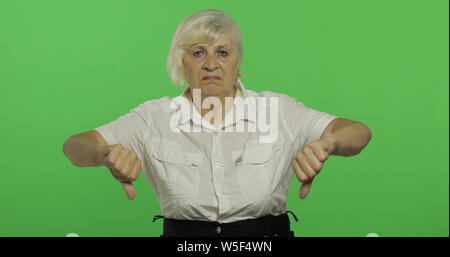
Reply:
x=217 y=176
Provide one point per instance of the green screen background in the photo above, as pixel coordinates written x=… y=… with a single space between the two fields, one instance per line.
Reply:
x=69 y=66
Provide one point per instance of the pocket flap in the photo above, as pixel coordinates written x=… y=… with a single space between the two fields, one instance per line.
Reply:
x=257 y=155
x=172 y=154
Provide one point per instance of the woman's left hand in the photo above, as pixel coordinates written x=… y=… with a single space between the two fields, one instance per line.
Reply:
x=309 y=161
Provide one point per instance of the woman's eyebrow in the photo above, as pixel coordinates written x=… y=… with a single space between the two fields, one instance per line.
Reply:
x=218 y=47
x=221 y=46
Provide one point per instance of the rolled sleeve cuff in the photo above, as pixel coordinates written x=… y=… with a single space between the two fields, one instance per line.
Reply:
x=107 y=134
x=319 y=128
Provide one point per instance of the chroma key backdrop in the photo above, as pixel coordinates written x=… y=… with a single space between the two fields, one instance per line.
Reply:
x=67 y=67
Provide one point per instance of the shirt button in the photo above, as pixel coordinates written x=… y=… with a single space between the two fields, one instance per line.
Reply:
x=218 y=165
x=218 y=229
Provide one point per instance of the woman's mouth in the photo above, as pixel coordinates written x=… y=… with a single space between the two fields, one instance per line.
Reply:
x=211 y=78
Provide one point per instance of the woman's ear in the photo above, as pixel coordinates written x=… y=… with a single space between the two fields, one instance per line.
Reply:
x=239 y=66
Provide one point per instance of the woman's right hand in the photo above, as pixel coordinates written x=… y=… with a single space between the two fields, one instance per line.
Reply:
x=123 y=164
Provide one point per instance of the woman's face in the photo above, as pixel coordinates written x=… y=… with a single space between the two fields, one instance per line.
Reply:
x=212 y=67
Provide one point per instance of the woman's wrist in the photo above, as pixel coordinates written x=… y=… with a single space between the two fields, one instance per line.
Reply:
x=101 y=152
x=329 y=143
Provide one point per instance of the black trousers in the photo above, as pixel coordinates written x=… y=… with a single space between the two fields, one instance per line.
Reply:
x=267 y=226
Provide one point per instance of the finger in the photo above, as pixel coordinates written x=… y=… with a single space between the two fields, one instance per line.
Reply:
x=129 y=190
x=318 y=150
x=313 y=160
x=128 y=163
x=303 y=160
x=301 y=176
x=112 y=156
x=114 y=175
x=305 y=188
x=135 y=170
x=112 y=170
x=121 y=160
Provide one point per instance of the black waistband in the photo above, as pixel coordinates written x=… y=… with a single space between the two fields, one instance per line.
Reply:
x=263 y=226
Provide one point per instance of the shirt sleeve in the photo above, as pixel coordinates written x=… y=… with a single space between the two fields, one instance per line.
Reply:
x=129 y=130
x=306 y=124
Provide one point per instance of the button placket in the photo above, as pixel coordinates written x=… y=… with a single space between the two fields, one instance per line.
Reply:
x=215 y=168
x=218 y=172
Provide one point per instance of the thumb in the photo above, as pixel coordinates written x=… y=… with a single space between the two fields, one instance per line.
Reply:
x=304 y=188
x=129 y=190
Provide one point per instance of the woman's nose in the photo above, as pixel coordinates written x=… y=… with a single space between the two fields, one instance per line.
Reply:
x=210 y=63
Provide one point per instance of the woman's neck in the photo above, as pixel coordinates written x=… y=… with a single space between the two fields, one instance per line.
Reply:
x=213 y=108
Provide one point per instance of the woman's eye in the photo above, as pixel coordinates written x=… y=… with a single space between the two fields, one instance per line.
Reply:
x=197 y=53
x=223 y=53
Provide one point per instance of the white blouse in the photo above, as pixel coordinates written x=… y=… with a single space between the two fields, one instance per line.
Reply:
x=204 y=173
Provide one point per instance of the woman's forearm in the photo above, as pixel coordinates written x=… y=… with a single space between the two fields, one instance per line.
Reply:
x=84 y=149
x=349 y=139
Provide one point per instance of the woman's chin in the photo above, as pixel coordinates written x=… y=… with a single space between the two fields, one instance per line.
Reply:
x=211 y=89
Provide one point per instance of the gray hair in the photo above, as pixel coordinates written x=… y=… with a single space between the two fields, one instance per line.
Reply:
x=202 y=26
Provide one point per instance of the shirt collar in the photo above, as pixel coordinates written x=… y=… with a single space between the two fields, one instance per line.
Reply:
x=249 y=113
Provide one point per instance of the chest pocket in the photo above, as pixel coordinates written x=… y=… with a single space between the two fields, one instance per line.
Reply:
x=256 y=166
x=256 y=156
x=177 y=170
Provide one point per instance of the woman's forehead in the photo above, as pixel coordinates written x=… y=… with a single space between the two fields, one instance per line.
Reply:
x=224 y=40
x=216 y=46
